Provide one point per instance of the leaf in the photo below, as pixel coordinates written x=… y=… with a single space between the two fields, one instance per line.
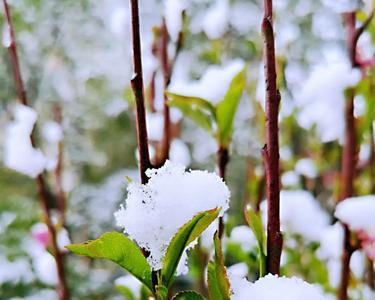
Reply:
x=188 y=295
x=255 y=223
x=118 y=248
x=201 y=111
x=218 y=282
x=226 y=109
x=126 y=292
x=185 y=235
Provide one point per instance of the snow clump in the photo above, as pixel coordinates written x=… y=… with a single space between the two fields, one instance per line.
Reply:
x=154 y=212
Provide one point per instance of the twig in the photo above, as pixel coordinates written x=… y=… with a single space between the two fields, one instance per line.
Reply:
x=349 y=155
x=40 y=183
x=271 y=149
x=60 y=195
x=137 y=86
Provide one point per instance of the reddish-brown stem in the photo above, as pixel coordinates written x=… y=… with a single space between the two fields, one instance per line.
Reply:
x=12 y=48
x=271 y=149
x=349 y=154
x=137 y=86
x=222 y=162
x=60 y=195
x=164 y=62
x=40 y=183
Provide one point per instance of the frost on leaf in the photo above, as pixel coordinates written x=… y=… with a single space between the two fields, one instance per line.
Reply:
x=154 y=212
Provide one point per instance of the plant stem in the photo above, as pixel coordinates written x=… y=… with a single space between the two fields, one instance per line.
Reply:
x=271 y=150
x=40 y=183
x=222 y=162
x=165 y=66
x=59 y=191
x=137 y=86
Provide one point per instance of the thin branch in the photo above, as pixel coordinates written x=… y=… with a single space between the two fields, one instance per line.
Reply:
x=40 y=183
x=271 y=149
x=59 y=191
x=137 y=86
x=349 y=154
x=222 y=162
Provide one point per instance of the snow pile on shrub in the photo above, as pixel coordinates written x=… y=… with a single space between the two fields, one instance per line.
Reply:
x=19 y=154
x=358 y=213
x=298 y=210
x=154 y=212
x=273 y=287
x=323 y=94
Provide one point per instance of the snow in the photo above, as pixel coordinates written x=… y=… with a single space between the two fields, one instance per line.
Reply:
x=173 y=17
x=168 y=201
x=179 y=153
x=322 y=94
x=298 y=210
x=273 y=287
x=19 y=154
x=306 y=167
x=243 y=236
x=213 y=84
x=45 y=268
x=15 y=271
x=215 y=21
x=155 y=125
x=358 y=213
x=6 y=40
x=289 y=178
x=52 y=132
x=342 y=6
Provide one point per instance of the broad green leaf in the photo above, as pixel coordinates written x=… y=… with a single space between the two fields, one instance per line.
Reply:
x=218 y=282
x=188 y=295
x=226 y=109
x=201 y=111
x=185 y=235
x=118 y=248
x=255 y=223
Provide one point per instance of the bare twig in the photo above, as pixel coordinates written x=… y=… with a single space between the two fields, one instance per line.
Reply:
x=271 y=149
x=222 y=162
x=60 y=195
x=40 y=182
x=137 y=86
x=350 y=148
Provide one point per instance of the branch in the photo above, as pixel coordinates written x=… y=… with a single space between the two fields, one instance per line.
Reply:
x=137 y=86
x=40 y=183
x=271 y=150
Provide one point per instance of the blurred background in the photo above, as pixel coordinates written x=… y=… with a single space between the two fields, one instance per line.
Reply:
x=75 y=58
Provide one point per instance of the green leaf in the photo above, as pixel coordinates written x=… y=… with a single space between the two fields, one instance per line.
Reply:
x=126 y=292
x=201 y=111
x=118 y=248
x=218 y=282
x=185 y=235
x=226 y=109
x=188 y=295
x=255 y=223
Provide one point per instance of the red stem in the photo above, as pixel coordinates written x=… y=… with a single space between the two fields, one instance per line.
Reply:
x=40 y=183
x=271 y=149
x=137 y=86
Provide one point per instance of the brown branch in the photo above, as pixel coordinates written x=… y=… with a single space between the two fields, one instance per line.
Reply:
x=59 y=191
x=165 y=66
x=349 y=155
x=271 y=149
x=137 y=86
x=40 y=183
